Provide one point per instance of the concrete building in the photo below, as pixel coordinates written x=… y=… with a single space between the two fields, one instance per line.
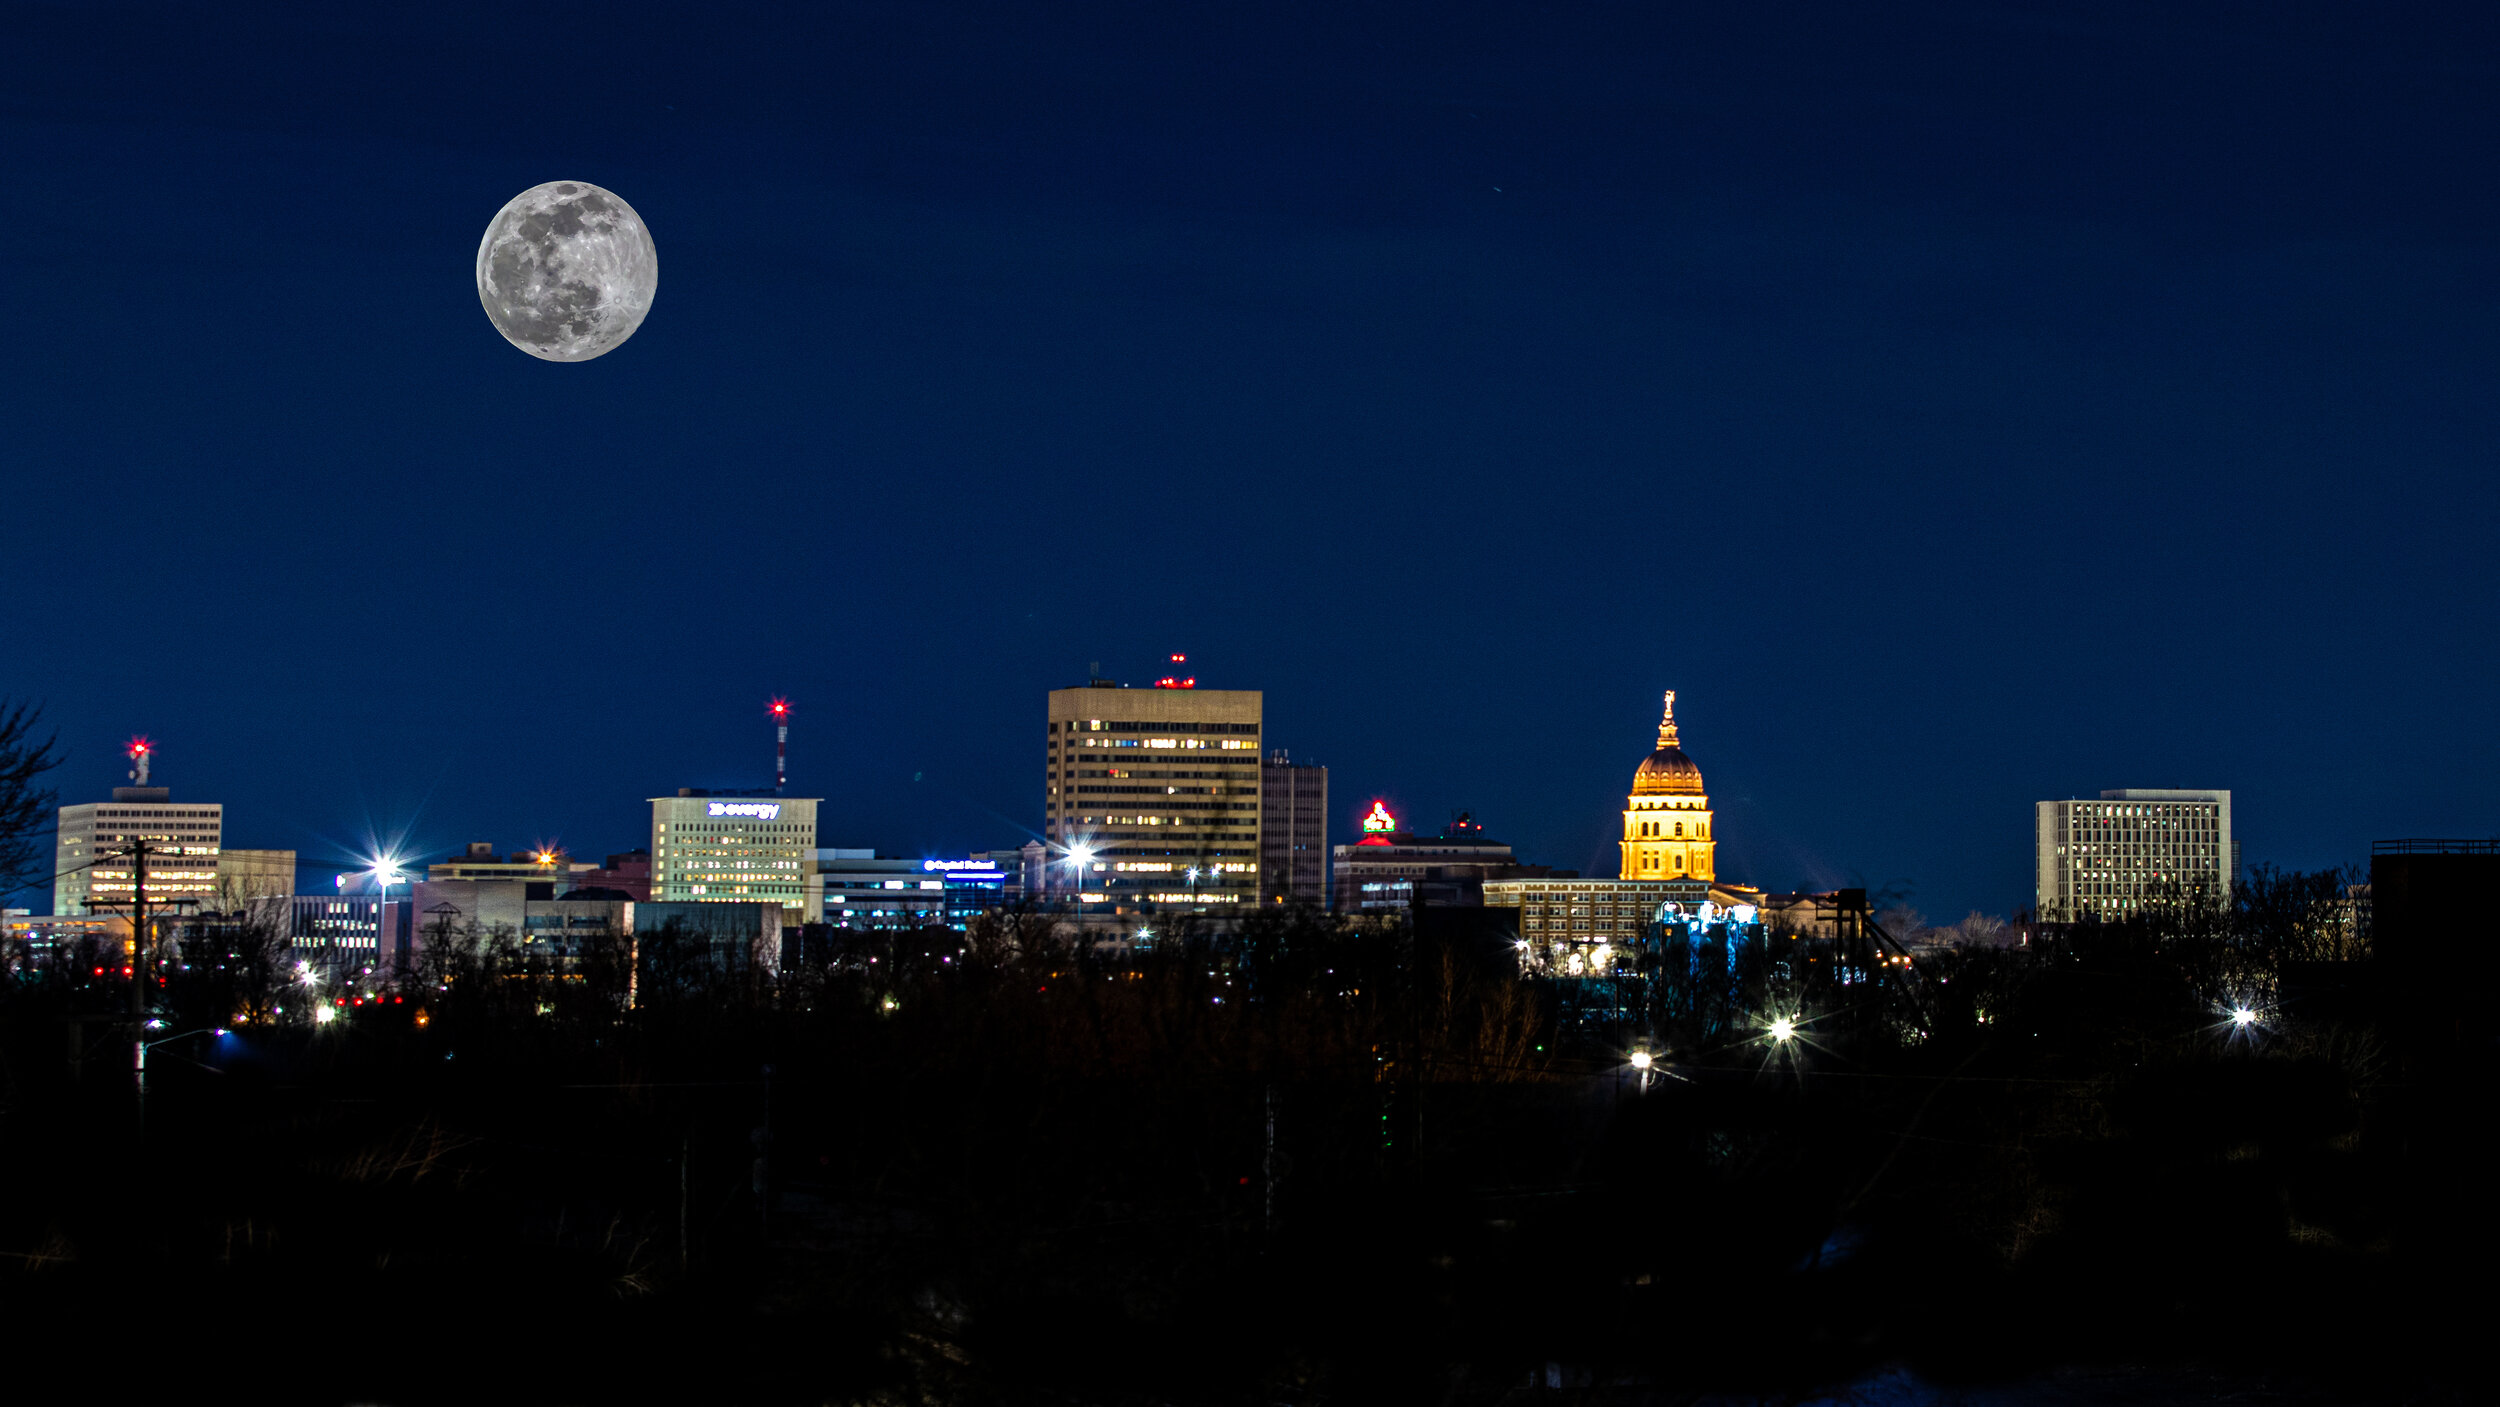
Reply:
x=1028 y=866
x=246 y=875
x=347 y=932
x=866 y=892
x=628 y=874
x=1293 y=831
x=2132 y=849
x=1151 y=797
x=1390 y=870
x=719 y=848
x=549 y=872
x=93 y=872
x=719 y=933
x=1562 y=909
x=1666 y=819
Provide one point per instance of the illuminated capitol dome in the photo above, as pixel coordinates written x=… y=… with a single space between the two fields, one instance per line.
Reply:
x=1666 y=819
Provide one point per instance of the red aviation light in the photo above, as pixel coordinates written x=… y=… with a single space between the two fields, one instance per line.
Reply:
x=781 y=708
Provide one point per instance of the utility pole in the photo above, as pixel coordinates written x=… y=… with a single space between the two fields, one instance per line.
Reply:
x=138 y=930
x=138 y=984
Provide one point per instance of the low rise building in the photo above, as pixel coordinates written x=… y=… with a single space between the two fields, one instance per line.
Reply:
x=548 y=871
x=628 y=874
x=246 y=875
x=1562 y=909
x=1390 y=870
x=866 y=892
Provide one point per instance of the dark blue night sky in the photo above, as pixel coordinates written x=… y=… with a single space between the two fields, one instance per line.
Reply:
x=1956 y=410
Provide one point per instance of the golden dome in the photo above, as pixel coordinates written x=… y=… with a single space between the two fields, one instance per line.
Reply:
x=1667 y=772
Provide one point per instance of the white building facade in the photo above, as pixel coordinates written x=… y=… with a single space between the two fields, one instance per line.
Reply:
x=2132 y=850
x=724 y=849
x=91 y=863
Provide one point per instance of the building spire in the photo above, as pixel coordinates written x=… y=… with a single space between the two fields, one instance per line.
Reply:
x=1666 y=726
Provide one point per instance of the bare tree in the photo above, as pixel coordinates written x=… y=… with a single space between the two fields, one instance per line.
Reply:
x=25 y=808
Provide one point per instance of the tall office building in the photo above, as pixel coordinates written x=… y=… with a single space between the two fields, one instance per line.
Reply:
x=1293 y=831
x=1155 y=793
x=720 y=848
x=1666 y=819
x=92 y=868
x=2130 y=850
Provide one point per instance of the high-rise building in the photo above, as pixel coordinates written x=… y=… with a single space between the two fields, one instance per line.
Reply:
x=1293 y=831
x=1666 y=819
x=723 y=848
x=92 y=867
x=1151 y=796
x=2131 y=850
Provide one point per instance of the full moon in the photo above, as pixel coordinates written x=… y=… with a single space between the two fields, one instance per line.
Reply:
x=567 y=271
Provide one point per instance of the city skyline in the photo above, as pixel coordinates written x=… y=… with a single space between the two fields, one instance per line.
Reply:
x=411 y=844
x=1998 y=450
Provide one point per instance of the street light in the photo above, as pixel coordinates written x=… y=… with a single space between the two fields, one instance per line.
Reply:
x=2242 y=1016
x=1783 y=1030
x=385 y=874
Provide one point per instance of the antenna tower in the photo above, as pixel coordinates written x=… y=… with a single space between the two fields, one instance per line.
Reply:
x=781 y=746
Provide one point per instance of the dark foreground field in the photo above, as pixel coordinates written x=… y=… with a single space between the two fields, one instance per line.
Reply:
x=1313 y=1168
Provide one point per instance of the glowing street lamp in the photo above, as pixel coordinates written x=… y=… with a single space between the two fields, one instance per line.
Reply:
x=1783 y=1030
x=385 y=874
x=1641 y=1060
x=2243 y=1017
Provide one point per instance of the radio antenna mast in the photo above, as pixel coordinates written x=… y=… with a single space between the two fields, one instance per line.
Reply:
x=781 y=746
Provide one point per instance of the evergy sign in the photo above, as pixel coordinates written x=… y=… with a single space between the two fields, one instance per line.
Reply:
x=760 y=810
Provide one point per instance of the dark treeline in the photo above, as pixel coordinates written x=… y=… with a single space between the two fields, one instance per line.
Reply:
x=1298 y=1162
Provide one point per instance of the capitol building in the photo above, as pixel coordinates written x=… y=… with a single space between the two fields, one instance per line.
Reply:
x=1669 y=853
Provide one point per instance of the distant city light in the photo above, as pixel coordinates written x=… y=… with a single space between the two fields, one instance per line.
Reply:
x=324 y=1015
x=2242 y=1016
x=1783 y=1030
x=1640 y=1060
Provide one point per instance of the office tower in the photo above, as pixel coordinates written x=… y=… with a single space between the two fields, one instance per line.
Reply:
x=1293 y=831
x=1151 y=796
x=92 y=868
x=719 y=847
x=2130 y=850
